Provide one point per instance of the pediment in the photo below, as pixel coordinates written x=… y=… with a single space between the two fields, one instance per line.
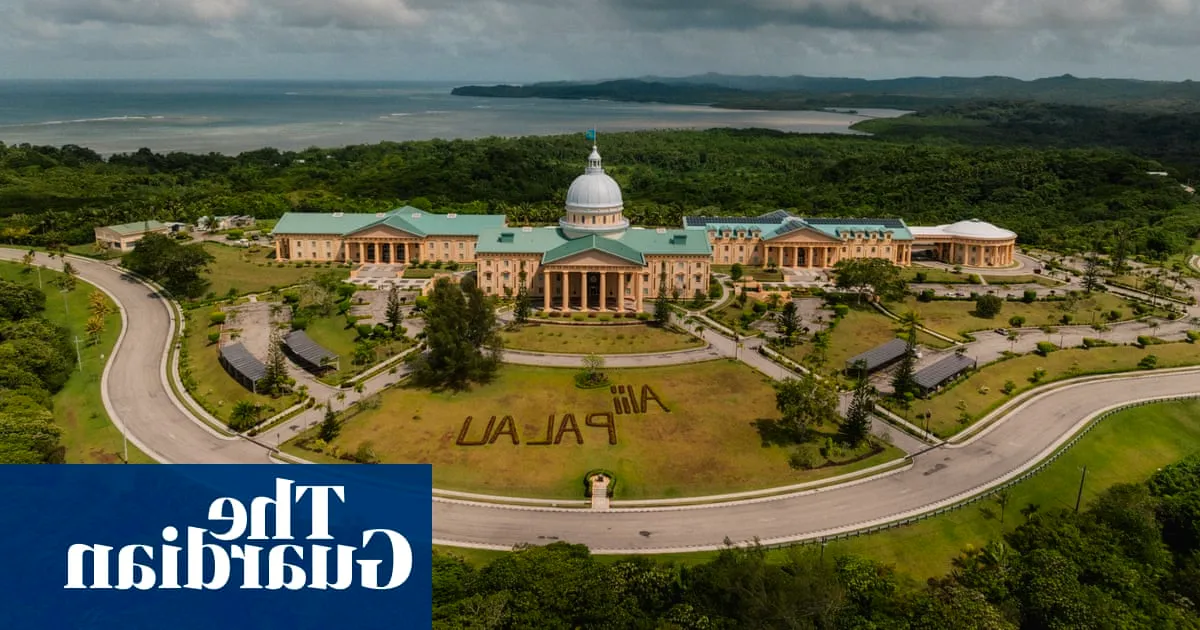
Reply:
x=381 y=231
x=805 y=235
x=592 y=257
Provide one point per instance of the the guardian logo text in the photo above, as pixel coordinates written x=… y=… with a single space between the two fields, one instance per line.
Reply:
x=251 y=547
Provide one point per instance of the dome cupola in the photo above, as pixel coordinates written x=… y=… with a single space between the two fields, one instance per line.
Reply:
x=594 y=204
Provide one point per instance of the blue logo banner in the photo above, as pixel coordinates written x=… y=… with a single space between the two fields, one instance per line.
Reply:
x=254 y=546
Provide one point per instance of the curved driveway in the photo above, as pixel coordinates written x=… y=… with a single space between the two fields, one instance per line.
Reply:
x=139 y=400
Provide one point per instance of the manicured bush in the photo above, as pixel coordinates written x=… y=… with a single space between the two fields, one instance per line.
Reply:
x=1029 y=296
x=1193 y=336
x=988 y=306
x=606 y=318
x=920 y=277
x=1148 y=362
x=213 y=337
x=364 y=330
x=643 y=316
x=578 y=317
x=1009 y=387
x=556 y=314
x=421 y=303
x=381 y=331
x=216 y=318
x=840 y=310
x=299 y=323
x=1092 y=342
x=291 y=298
x=1045 y=347
x=926 y=296
x=1016 y=321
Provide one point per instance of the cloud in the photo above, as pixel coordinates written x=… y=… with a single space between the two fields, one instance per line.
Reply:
x=524 y=40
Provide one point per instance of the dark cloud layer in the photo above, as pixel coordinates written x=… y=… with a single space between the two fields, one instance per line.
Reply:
x=524 y=40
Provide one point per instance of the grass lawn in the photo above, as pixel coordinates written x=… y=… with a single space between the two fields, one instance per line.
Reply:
x=1125 y=448
x=935 y=275
x=859 y=331
x=331 y=332
x=759 y=274
x=1058 y=365
x=209 y=383
x=253 y=270
x=1137 y=281
x=88 y=434
x=598 y=339
x=420 y=274
x=954 y=317
x=1029 y=278
x=706 y=444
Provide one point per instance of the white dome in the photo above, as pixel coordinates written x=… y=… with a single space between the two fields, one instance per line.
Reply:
x=974 y=228
x=594 y=190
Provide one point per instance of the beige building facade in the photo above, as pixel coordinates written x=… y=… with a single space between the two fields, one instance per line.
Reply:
x=594 y=260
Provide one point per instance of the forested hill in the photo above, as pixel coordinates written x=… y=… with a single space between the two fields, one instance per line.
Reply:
x=1060 y=197
x=1172 y=138
x=802 y=92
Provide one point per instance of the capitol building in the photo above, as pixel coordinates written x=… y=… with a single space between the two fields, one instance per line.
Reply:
x=595 y=260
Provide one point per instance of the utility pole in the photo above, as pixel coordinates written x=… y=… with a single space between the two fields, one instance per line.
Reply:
x=1079 y=497
x=78 y=356
x=66 y=307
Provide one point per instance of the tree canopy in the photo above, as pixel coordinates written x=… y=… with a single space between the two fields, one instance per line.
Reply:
x=462 y=337
x=176 y=267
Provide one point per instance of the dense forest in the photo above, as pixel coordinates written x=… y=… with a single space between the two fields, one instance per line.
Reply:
x=803 y=92
x=1060 y=197
x=36 y=359
x=1172 y=138
x=1129 y=561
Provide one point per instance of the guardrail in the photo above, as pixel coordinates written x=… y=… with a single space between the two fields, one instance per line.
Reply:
x=983 y=492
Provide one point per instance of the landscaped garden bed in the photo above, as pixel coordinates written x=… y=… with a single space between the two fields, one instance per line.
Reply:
x=957 y=317
x=634 y=338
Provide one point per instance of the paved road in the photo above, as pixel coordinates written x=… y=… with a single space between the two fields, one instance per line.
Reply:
x=138 y=398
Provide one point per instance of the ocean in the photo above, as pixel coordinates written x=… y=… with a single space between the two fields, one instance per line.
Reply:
x=234 y=116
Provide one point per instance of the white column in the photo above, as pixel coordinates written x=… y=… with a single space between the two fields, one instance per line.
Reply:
x=603 y=291
x=546 y=291
x=621 y=292
x=583 y=276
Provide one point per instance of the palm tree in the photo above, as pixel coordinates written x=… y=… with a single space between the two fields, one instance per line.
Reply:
x=1012 y=337
x=244 y=415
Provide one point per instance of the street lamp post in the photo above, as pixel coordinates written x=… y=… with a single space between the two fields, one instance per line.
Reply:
x=1079 y=497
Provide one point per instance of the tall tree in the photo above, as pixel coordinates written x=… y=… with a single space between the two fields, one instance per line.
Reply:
x=330 y=426
x=789 y=321
x=178 y=268
x=276 y=381
x=521 y=307
x=857 y=425
x=877 y=274
x=461 y=335
x=903 y=381
x=1091 y=273
x=804 y=403
x=1120 y=250
x=68 y=280
x=393 y=314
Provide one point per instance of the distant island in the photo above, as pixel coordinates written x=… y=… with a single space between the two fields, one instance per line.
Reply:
x=806 y=93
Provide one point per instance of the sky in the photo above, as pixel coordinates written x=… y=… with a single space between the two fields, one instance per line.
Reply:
x=531 y=40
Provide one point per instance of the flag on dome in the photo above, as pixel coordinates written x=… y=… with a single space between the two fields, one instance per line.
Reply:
x=591 y=135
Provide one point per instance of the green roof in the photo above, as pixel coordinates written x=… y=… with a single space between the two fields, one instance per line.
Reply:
x=408 y=219
x=137 y=227
x=654 y=241
x=779 y=222
x=519 y=240
x=632 y=245
x=594 y=243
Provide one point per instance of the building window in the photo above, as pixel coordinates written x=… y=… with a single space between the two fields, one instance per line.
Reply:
x=313 y=243
x=488 y=276
x=858 y=250
x=741 y=248
x=872 y=250
x=460 y=246
x=506 y=264
x=726 y=249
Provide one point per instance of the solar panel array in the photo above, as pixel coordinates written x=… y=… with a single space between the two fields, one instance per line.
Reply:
x=942 y=371
x=890 y=223
x=703 y=221
x=238 y=359
x=880 y=355
x=300 y=345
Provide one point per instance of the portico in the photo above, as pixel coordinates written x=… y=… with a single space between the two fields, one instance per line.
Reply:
x=603 y=289
x=381 y=250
